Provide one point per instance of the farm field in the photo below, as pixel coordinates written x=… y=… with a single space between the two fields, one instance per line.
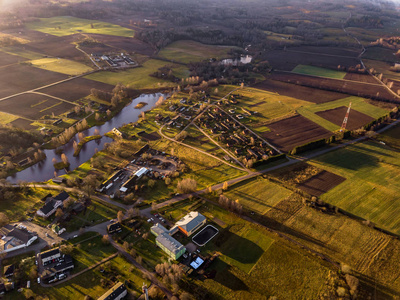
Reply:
x=391 y=137
x=360 y=77
x=330 y=115
x=372 y=172
x=35 y=106
x=75 y=89
x=137 y=78
x=382 y=67
x=317 y=71
x=60 y=65
x=326 y=50
x=19 y=78
x=191 y=51
x=321 y=183
x=21 y=54
x=6 y=118
x=299 y=92
x=8 y=59
x=66 y=25
x=379 y=53
x=374 y=91
x=22 y=123
x=294 y=131
x=258 y=194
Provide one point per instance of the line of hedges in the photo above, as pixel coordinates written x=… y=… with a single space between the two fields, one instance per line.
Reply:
x=268 y=160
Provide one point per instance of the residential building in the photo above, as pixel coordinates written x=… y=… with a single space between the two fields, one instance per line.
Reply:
x=190 y=223
x=52 y=204
x=117 y=292
x=114 y=228
x=13 y=238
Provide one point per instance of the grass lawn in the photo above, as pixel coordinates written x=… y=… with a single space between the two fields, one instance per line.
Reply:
x=191 y=51
x=373 y=179
x=66 y=25
x=257 y=194
x=137 y=78
x=6 y=118
x=22 y=52
x=391 y=137
x=357 y=103
x=60 y=65
x=317 y=71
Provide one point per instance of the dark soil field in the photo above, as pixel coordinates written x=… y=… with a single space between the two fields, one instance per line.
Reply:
x=124 y=43
x=8 y=59
x=150 y=136
x=299 y=92
x=34 y=106
x=20 y=78
x=321 y=183
x=294 y=131
x=22 y=123
x=288 y=60
x=76 y=89
x=327 y=50
x=360 y=77
x=374 y=91
x=356 y=119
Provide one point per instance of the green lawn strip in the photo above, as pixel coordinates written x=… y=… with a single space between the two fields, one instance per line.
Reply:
x=317 y=71
x=373 y=175
x=23 y=53
x=191 y=51
x=60 y=65
x=257 y=194
x=66 y=25
x=138 y=78
x=305 y=112
x=391 y=137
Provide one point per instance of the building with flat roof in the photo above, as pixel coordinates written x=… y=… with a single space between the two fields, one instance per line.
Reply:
x=190 y=223
x=117 y=292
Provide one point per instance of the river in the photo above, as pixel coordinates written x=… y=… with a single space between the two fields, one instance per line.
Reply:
x=44 y=170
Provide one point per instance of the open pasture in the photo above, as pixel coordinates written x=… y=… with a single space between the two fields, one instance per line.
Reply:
x=61 y=65
x=372 y=171
x=20 y=78
x=34 y=106
x=288 y=60
x=288 y=133
x=375 y=91
x=191 y=51
x=75 y=89
x=321 y=183
x=336 y=115
x=299 y=92
x=66 y=25
x=317 y=71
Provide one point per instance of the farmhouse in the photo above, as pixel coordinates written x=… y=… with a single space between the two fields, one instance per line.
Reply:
x=190 y=223
x=117 y=132
x=14 y=239
x=52 y=204
x=117 y=292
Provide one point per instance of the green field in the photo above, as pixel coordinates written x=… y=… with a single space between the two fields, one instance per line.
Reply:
x=191 y=51
x=6 y=118
x=66 y=25
x=61 y=65
x=372 y=171
x=382 y=67
x=357 y=103
x=137 y=78
x=317 y=71
x=21 y=52
x=257 y=194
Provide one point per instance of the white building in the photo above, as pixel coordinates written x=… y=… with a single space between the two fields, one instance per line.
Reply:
x=14 y=239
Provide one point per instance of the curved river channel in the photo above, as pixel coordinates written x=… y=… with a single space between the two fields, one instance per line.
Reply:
x=44 y=170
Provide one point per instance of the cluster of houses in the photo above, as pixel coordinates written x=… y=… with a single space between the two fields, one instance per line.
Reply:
x=55 y=265
x=114 y=60
x=187 y=225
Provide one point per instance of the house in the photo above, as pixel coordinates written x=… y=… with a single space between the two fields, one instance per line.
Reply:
x=114 y=228
x=8 y=271
x=117 y=292
x=117 y=132
x=56 y=122
x=14 y=238
x=55 y=264
x=52 y=204
x=190 y=223
x=49 y=256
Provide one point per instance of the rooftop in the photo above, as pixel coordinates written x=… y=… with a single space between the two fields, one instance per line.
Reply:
x=114 y=292
x=191 y=221
x=169 y=242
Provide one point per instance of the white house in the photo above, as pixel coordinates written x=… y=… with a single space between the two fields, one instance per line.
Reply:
x=52 y=204
x=14 y=238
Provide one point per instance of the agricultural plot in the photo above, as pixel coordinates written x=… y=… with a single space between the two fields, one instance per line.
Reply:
x=360 y=77
x=6 y=118
x=356 y=119
x=8 y=59
x=372 y=171
x=317 y=71
x=22 y=123
x=288 y=60
x=375 y=91
x=321 y=183
x=34 y=106
x=379 y=53
x=288 y=133
x=328 y=51
x=191 y=51
x=137 y=78
x=330 y=115
x=61 y=65
x=75 y=89
x=298 y=92
x=22 y=54
x=66 y=25
x=19 y=78
x=258 y=194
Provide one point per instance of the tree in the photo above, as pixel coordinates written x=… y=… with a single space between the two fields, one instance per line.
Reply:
x=3 y=219
x=64 y=159
x=225 y=186
x=120 y=216
x=89 y=184
x=59 y=213
x=187 y=185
